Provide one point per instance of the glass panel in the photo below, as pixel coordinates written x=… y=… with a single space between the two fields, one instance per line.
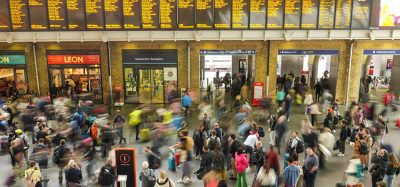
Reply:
x=21 y=80
x=158 y=85
x=145 y=86
x=130 y=85
x=6 y=81
x=74 y=77
x=94 y=83
x=170 y=82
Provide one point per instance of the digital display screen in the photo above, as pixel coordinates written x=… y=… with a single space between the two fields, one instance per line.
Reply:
x=4 y=16
x=292 y=14
x=113 y=14
x=19 y=15
x=361 y=14
x=131 y=12
x=343 y=14
x=275 y=14
x=38 y=15
x=168 y=14
x=258 y=14
x=76 y=14
x=309 y=14
x=150 y=19
x=94 y=15
x=57 y=14
x=326 y=14
x=186 y=14
x=240 y=14
x=222 y=14
x=204 y=14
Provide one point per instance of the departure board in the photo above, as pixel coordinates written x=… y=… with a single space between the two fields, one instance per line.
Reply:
x=275 y=14
x=186 y=14
x=258 y=14
x=326 y=14
x=343 y=14
x=76 y=14
x=309 y=14
x=57 y=14
x=150 y=19
x=204 y=14
x=94 y=15
x=19 y=15
x=292 y=14
x=113 y=14
x=361 y=14
x=38 y=15
x=131 y=12
x=4 y=16
x=240 y=14
x=222 y=14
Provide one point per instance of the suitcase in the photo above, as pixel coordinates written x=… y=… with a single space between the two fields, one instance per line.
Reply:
x=177 y=156
x=144 y=134
x=171 y=163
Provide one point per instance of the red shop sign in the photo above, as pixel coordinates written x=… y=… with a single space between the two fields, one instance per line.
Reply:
x=73 y=59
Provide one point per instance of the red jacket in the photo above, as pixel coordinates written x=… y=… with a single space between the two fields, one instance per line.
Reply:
x=273 y=160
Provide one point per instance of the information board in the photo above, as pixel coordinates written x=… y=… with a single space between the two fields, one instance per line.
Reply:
x=240 y=14
x=361 y=14
x=309 y=14
x=38 y=15
x=258 y=14
x=186 y=14
x=57 y=14
x=19 y=15
x=343 y=14
x=168 y=14
x=275 y=14
x=76 y=14
x=4 y=15
x=125 y=163
x=113 y=14
x=94 y=15
x=204 y=14
x=150 y=19
x=222 y=14
x=131 y=13
x=326 y=14
x=292 y=14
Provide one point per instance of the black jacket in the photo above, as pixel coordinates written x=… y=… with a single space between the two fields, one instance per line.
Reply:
x=343 y=133
x=235 y=147
x=206 y=161
x=73 y=175
x=391 y=170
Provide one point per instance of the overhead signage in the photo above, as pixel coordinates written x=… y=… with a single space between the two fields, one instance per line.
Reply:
x=222 y=14
x=73 y=59
x=38 y=14
x=19 y=15
x=186 y=16
x=227 y=52
x=4 y=14
x=113 y=14
x=76 y=14
x=12 y=59
x=326 y=14
x=309 y=14
x=131 y=12
x=205 y=14
x=150 y=56
x=240 y=14
x=57 y=13
x=258 y=14
x=94 y=15
x=150 y=14
x=275 y=14
x=292 y=14
x=308 y=52
x=125 y=161
x=381 y=52
x=168 y=14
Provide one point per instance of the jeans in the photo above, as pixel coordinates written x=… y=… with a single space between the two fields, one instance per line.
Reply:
x=342 y=146
x=390 y=179
x=241 y=180
x=278 y=139
x=309 y=178
x=60 y=174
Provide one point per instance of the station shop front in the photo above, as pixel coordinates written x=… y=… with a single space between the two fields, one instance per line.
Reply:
x=13 y=76
x=75 y=71
x=150 y=75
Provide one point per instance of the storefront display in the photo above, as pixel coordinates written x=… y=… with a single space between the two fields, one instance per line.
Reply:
x=75 y=73
x=13 y=80
x=150 y=76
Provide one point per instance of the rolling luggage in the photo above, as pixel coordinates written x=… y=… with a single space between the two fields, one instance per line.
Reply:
x=171 y=163
x=144 y=134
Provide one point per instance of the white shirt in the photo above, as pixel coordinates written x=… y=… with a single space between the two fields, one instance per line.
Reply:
x=251 y=140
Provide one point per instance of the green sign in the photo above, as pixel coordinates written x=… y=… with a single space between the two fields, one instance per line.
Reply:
x=12 y=59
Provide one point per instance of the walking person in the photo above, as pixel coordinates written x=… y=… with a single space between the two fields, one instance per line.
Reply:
x=118 y=124
x=147 y=175
x=266 y=177
x=33 y=176
x=310 y=168
x=280 y=130
x=241 y=163
x=60 y=156
x=186 y=102
x=164 y=181
x=291 y=173
x=107 y=175
x=73 y=174
x=393 y=169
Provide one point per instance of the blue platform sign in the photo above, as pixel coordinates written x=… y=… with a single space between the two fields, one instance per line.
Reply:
x=308 y=52
x=12 y=59
x=381 y=52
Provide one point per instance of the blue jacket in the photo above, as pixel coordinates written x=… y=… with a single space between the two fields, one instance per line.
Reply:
x=186 y=101
x=291 y=174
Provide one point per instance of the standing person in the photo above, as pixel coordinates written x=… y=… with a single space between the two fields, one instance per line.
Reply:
x=250 y=144
x=295 y=146
x=362 y=147
x=164 y=181
x=106 y=139
x=199 y=138
x=186 y=102
x=288 y=104
x=326 y=139
x=379 y=168
x=94 y=134
x=60 y=156
x=272 y=124
x=147 y=175
x=344 y=132
x=40 y=154
x=358 y=117
x=291 y=173
x=310 y=167
x=280 y=97
x=241 y=163
x=235 y=147
x=53 y=92
x=107 y=175
x=393 y=169
x=244 y=92
x=314 y=112
x=206 y=161
x=266 y=177
x=213 y=141
x=280 y=130
x=118 y=124
x=33 y=176
x=318 y=90
x=73 y=174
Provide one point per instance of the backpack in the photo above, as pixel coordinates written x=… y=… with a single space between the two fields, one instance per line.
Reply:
x=364 y=148
x=213 y=143
x=154 y=161
x=94 y=132
x=241 y=163
x=261 y=132
x=299 y=146
x=107 y=177
x=58 y=155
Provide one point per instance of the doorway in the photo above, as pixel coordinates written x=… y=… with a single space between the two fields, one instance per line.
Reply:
x=151 y=86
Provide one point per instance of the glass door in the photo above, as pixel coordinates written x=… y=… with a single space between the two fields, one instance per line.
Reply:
x=151 y=88
x=131 y=88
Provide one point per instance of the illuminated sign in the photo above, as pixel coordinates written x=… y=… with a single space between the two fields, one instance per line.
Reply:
x=73 y=59
x=12 y=59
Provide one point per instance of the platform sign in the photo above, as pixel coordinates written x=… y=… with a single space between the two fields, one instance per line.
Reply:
x=125 y=160
x=258 y=93
x=381 y=52
x=308 y=52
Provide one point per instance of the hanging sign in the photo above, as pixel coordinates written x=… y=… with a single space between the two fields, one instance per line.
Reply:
x=73 y=59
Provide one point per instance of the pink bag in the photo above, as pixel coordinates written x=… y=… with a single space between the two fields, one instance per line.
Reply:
x=241 y=162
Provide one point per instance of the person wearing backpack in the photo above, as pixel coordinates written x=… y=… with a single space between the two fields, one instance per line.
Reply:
x=241 y=163
x=33 y=176
x=107 y=175
x=60 y=157
x=147 y=175
x=295 y=146
x=199 y=137
x=153 y=160
x=164 y=181
x=362 y=147
x=213 y=141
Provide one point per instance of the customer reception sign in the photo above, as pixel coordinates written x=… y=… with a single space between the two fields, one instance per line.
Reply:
x=12 y=59
x=73 y=59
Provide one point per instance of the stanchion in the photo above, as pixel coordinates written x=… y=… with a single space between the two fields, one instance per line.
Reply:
x=122 y=180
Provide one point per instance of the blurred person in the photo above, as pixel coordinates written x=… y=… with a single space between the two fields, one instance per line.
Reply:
x=153 y=159
x=147 y=175
x=362 y=147
x=272 y=157
x=20 y=146
x=273 y=120
x=241 y=163
x=106 y=139
x=235 y=147
x=33 y=176
x=199 y=138
x=107 y=175
x=318 y=90
x=40 y=153
x=358 y=117
x=257 y=158
x=288 y=105
x=186 y=145
x=266 y=177
x=135 y=120
x=326 y=139
x=329 y=121
x=206 y=162
x=380 y=164
x=118 y=124
x=250 y=144
x=218 y=130
x=60 y=156
x=280 y=130
x=73 y=174
x=164 y=181
x=94 y=134
x=186 y=101
x=291 y=173
x=314 y=112
x=218 y=164
x=310 y=168
x=326 y=100
x=280 y=97
x=393 y=169
x=308 y=100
